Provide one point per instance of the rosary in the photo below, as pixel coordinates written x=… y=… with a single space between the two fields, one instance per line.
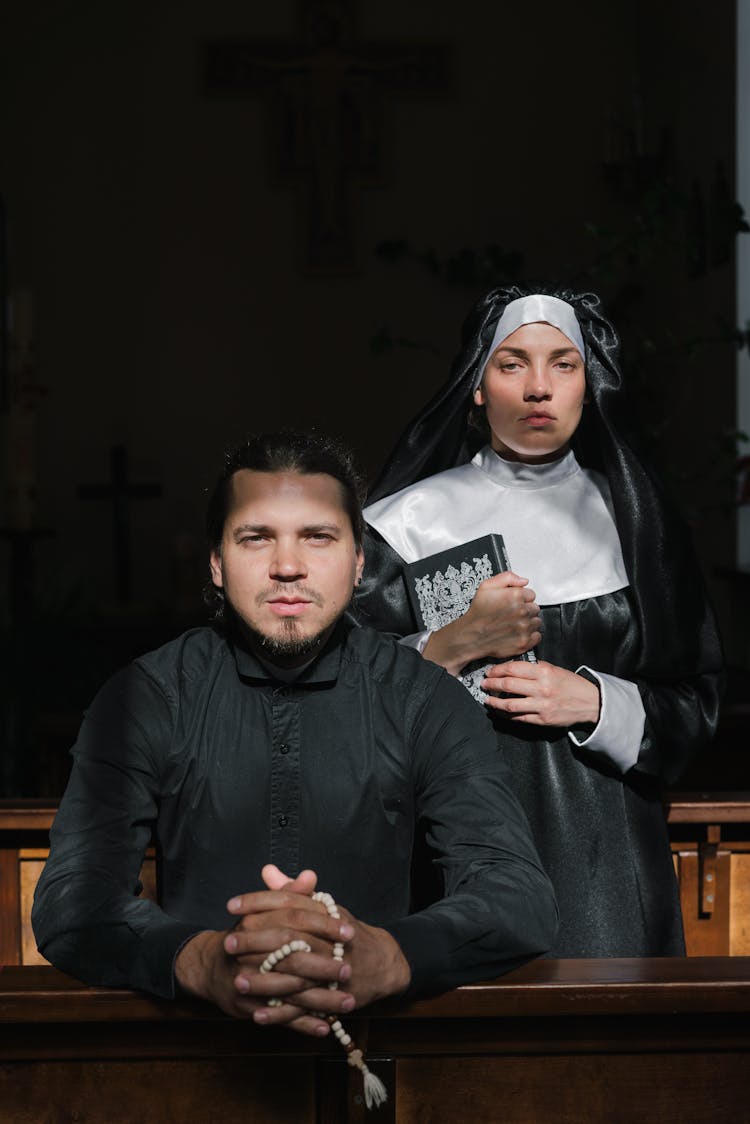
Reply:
x=375 y=1091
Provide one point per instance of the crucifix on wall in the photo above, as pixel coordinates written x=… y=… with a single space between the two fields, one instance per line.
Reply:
x=325 y=97
x=120 y=491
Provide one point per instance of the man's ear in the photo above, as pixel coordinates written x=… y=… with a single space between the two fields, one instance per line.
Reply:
x=217 y=574
x=360 y=566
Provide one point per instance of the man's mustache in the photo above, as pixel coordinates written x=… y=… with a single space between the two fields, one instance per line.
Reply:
x=281 y=589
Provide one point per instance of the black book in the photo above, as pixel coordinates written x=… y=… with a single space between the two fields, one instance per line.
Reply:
x=441 y=588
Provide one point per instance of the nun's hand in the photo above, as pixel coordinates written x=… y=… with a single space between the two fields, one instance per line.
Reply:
x=502 y=621
x=542 y=694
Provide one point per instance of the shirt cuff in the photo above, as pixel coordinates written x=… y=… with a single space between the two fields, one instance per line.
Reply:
x=619 y=732
x=416 y=640
x=154 y=967
x=425 y=947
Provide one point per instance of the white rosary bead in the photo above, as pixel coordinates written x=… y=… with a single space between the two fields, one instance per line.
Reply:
x=326 y=899
x=375 y=1092
x=274 y=958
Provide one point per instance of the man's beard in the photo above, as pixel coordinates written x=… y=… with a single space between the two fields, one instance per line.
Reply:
x=286 y=644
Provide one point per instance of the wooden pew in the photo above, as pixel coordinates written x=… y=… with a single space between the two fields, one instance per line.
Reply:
x=710 y=835
x=24 y=846
x=555 y=1042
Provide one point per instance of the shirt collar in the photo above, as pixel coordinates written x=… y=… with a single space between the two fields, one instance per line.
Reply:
x=323 y=669
x=517 y=474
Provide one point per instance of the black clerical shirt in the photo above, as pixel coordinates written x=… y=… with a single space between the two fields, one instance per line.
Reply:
x=232 y=769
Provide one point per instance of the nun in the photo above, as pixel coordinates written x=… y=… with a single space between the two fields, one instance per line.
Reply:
x=532 y=438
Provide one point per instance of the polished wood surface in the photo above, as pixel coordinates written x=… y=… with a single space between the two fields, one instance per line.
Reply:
x=27 y=815
x=558 y=1042
x=710 y=838
x=542 y=987
x=708 y=807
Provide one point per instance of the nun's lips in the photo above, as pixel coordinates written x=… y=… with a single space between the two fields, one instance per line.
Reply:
x=538 y=418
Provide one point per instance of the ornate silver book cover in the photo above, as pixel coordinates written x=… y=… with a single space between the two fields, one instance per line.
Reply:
x=441 y=588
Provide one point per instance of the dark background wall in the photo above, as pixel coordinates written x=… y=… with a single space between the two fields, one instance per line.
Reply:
x=190 y=281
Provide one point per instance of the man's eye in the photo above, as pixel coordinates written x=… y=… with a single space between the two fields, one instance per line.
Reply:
x=321 y=537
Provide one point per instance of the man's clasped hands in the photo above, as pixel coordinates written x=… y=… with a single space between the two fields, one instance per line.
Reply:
x=224 y=966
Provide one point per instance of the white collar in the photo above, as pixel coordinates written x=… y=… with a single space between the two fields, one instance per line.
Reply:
x=518 y=474
x=555 y=519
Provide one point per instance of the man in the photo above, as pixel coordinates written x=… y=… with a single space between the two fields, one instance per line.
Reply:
x=289 y=737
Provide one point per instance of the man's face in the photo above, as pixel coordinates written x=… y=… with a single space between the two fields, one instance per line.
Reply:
x=288 y=562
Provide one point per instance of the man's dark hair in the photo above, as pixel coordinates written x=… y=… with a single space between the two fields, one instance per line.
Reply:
x=305 y=453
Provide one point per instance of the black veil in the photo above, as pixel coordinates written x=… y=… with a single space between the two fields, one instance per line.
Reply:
x=677 y=626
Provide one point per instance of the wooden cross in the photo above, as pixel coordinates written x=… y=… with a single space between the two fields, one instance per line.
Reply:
x=120 y=491
x=325 y=95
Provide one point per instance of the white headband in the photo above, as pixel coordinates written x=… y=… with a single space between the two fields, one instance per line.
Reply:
x=535 y=309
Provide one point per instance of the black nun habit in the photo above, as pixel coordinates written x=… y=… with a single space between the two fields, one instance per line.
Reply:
x=601 y=833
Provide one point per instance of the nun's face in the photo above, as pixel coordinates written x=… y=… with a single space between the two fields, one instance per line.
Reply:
x=533 y=389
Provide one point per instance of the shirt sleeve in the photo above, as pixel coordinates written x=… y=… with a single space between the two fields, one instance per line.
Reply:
x=619 y=732
x=88 y=917
x=417 y=640
x=498 y=906
x=681 y=718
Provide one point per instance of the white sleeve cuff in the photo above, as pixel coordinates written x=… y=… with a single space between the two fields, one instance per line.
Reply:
x=619 y=732
x=417 y=640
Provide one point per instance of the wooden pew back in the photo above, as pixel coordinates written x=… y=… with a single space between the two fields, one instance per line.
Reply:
x=710 y=844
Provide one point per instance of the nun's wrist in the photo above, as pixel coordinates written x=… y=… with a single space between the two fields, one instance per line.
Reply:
x=447 y=648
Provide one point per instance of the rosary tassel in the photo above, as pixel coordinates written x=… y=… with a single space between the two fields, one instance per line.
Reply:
x=376 y=1093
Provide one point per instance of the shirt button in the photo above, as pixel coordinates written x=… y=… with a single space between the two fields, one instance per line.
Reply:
x=283 y=748
x=283 y=821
